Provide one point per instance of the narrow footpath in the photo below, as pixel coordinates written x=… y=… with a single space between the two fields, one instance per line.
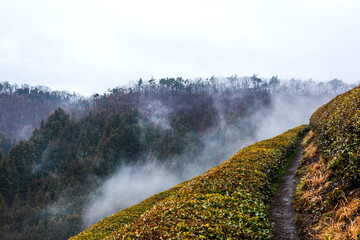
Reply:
x=282 y=211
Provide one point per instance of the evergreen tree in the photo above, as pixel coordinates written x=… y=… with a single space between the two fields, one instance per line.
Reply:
x=3 y=211
x=16 y=202
x=73 y=223
x=29 y=197
x=52 y=229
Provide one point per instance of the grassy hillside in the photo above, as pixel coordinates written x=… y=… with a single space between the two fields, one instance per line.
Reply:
x=328 y=193
x=229 y=201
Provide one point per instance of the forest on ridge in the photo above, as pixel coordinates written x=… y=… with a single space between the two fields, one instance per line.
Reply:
x=58 y=149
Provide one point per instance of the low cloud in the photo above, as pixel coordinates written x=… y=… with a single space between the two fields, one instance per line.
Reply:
x=132 y=184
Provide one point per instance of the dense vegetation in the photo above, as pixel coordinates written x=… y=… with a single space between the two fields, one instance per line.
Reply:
x=328 y=193
x=47 y=180
x=337 y=127
x=230 y=201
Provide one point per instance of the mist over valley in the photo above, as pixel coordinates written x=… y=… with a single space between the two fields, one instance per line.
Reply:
x=95 y=156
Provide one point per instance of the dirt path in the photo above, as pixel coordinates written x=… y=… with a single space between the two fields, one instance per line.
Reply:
x=282 y=211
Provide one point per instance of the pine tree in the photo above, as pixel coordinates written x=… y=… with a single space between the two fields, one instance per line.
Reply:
x=16 y=202
x=3 y=211
x=40 y=198
x=29 y=197
x=73 y=223
x=41 y=230
x=51 y=228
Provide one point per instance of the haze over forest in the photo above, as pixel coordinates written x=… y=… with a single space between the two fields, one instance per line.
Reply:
x=91 y=157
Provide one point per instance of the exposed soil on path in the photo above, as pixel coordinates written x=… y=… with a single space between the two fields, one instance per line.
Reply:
x=282 y=211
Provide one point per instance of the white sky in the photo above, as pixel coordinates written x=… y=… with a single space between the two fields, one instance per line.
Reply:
x=90 y=46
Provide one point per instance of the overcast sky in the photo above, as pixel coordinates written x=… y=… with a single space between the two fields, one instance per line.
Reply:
x=90 y=46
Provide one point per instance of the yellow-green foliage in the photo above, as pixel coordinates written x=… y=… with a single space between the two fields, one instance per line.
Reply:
x=230 y=201
x=116 y=221
x=337 y=128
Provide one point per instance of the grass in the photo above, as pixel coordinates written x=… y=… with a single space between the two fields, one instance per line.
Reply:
x=307 y=139
x=314 y=183
x=327 y=195
x=324 y=210
x=345 y=224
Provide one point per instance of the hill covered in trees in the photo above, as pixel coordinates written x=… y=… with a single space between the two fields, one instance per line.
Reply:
x=183 y=126
x=232 y=199
x=222 y=203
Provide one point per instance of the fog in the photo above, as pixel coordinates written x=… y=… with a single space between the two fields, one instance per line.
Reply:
x=287 y=112
x=132 y=184
x=127 y=187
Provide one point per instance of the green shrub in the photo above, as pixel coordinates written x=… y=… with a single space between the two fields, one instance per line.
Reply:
x=337 y=127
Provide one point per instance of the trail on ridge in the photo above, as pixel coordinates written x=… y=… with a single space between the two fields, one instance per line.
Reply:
x=282 y=211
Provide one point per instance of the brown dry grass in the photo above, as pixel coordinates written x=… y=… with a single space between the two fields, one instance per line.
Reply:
x=310 y=151
x=345 y=224
x=307 y=138
x=347 y=210
x=314 y=183
x=341 y=220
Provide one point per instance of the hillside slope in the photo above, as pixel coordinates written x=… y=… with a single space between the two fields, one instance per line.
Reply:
x=329 y=190
x=228 y=201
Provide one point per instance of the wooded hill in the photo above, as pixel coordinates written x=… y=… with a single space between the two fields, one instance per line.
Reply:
x=232 y=200
x=47 y=180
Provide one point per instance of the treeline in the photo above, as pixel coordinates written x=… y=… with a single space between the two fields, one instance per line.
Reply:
x=248 y=83
x=47 y=180
x=23 y=107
